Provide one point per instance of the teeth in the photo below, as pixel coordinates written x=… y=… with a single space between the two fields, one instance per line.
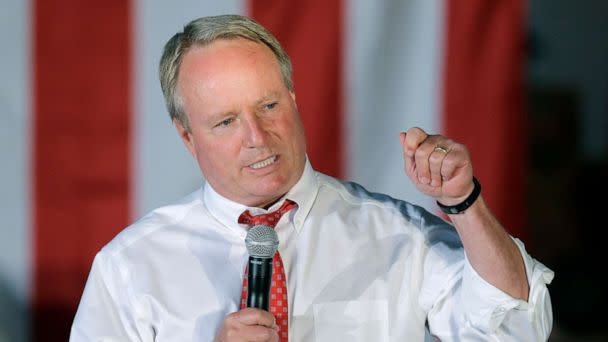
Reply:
x=263 y=163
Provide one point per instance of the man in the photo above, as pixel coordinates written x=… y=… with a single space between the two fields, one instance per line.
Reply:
x=359 y=266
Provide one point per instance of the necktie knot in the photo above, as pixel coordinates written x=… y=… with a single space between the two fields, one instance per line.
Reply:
x=269 y=219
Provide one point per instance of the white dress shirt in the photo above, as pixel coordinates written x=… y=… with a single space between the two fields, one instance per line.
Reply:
x=360 y=267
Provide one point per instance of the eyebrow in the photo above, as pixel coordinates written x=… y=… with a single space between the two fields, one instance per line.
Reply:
x=270 y=96
x=218 y=116
x=214 y=118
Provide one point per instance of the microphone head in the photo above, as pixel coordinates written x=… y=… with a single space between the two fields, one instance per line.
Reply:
x=262 y=241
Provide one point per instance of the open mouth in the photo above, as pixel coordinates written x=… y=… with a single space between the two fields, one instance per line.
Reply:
x=268 y=161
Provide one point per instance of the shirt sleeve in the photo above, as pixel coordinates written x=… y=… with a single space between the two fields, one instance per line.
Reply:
x=106 y=311
x=474 y=310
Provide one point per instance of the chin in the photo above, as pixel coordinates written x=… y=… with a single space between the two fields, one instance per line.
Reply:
x=272 y=192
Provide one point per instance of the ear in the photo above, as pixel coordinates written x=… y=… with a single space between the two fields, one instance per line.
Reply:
x=186 y=137
x=293 y=97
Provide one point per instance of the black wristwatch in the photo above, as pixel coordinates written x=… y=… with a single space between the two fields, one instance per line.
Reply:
x=464 y=205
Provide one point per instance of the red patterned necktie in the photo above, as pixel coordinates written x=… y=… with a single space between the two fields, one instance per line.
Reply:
x=278 y=288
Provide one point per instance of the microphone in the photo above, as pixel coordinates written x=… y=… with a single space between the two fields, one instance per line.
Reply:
x=261 y=242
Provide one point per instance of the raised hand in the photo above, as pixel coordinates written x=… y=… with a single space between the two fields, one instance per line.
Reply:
x=437 y=165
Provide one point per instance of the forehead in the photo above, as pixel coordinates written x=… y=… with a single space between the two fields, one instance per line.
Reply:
x=219 y=58
x=226 y=67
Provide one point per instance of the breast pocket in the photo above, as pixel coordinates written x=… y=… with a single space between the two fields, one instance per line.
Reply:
x=362 y=320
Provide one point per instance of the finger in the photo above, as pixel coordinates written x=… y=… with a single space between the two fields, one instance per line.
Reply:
x=408 y=160
x=412 y=139
x=453 y=161
x=254 y=333
x=449 y=166
x=249 y=325
x=258 y=333
x=423 y=159
x=253 y=316
x=436 y=160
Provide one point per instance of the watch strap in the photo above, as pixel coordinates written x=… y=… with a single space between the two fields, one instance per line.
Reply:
x=464 y=205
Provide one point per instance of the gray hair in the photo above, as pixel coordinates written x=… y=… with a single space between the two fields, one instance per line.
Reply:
x=204 y=31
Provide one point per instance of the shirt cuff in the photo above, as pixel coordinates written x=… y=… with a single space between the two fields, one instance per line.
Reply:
x=486 y=306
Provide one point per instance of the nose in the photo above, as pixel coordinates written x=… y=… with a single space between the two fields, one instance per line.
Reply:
x=255 y=133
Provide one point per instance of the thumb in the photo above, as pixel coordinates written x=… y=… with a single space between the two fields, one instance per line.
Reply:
x=412 y=139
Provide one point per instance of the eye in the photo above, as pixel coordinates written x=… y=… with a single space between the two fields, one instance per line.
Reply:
x=225 y=122
x=270 y=105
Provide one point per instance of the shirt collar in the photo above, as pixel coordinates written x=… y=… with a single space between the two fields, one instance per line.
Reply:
x=227 y=211
x=304 y=193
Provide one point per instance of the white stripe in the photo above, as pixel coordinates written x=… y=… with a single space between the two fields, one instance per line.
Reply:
x=163 y=169
x=15 y=147
x=392 y=70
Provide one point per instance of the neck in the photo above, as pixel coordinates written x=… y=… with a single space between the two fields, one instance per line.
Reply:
x=267 y=205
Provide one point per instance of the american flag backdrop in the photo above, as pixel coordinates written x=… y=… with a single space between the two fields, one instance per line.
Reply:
x=87 y=146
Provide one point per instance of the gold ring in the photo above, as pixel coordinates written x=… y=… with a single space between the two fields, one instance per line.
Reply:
x=440 y=148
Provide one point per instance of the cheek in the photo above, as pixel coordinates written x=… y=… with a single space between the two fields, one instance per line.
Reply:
x=219 y=154
x=289 y=127
x=297 y=134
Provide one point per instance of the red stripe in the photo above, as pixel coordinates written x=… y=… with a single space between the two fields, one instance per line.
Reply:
x=81 y=78
x=311 y=33
x=483 y=98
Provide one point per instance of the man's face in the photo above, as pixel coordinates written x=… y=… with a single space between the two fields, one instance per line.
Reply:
x=246 y=133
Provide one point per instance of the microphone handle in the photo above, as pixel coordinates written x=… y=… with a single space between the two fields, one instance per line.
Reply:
x=259 y=279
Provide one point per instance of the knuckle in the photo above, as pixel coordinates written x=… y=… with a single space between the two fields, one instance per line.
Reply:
x=457 y=155
x=450 y=160
x=258 y=315
x=436 y=157
x=231 y=317
x=420 y=153
x=460 y=147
